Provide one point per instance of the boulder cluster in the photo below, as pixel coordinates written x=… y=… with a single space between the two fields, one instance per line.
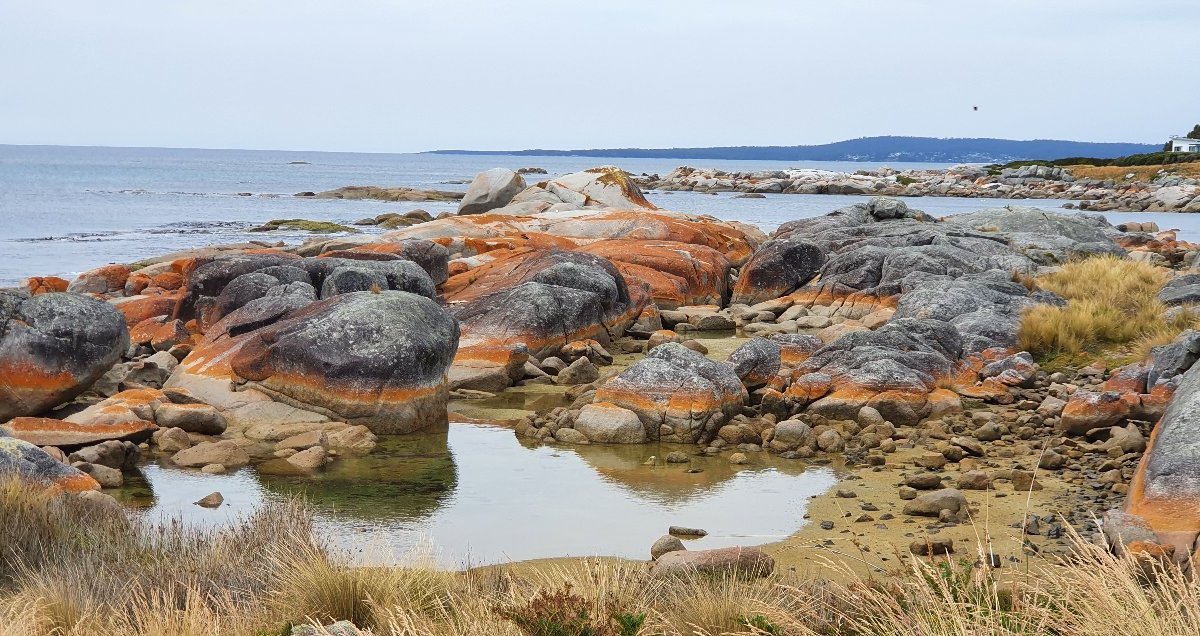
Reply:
x=875 y=331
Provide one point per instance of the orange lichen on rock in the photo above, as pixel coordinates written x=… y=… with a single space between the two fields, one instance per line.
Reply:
x=678 y=273
x=44 y=285
x=43 y=431
x=139 y=308
x=102 y=280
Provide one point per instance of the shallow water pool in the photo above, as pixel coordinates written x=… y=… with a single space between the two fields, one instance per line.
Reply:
x=478 y=495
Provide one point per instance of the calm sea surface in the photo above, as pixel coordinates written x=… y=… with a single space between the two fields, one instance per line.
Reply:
x=64 y=210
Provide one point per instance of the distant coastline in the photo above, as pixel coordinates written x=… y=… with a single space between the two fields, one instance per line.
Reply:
x=875 y=149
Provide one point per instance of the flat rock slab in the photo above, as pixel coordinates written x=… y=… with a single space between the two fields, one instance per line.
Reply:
x=44 y=431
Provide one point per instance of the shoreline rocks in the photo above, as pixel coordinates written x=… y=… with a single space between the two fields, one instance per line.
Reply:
x=1164 y=193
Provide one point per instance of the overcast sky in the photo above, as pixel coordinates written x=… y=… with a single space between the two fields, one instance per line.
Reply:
x=397 y=76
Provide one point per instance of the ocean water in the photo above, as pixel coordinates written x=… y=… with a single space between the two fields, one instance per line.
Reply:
x=64 y=210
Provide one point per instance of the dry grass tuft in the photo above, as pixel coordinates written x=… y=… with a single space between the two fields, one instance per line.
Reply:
x=266 y=574
x=1111 y=302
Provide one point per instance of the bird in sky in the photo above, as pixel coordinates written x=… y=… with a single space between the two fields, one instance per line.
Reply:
x=976 y=108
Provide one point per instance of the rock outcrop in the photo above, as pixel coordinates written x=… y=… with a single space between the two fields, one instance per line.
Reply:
x=53 y=347
x=491 y=189
x=678 y=394
x=1164 y=192
x=376 y=359
x=1165 y=491
x=29 y=463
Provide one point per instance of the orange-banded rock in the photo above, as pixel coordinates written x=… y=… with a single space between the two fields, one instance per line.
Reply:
x=678 y=394
x=44 y=431
x=759 y=361
x=532 y=303
x=1141 y=390
x=373 y=359
x=44 y=285
x=582 y=227
x=1165 y=490
x=893 y=369
x=102 y=280
x=778 y=268
x=53 y=347
x=29 y=463
x=679 y=274
x=433 y=257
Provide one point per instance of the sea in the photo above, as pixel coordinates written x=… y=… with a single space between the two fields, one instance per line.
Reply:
x=64 y=209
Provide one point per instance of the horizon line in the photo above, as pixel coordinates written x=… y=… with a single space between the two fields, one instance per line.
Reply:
x=555 y=150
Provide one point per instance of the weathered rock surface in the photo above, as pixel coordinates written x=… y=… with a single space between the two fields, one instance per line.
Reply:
x=1165 y=491
x=610 y=424
x=32 y=464
x=376 y=359
x=491 y=189
x=42 y=431
x=678 y=390
x=53 y=347
x=742 y=563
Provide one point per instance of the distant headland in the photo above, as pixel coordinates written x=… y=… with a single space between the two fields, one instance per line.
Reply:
x=889 y=148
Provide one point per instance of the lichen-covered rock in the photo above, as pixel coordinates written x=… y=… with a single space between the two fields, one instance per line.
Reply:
x=892 y=369
x=1165 y=490
x=29 y=463
x=433 y=257
x=756 y=362
x=43 y=431
x=606 y=186
x=219 y=286
x=533 y=303
x=610 y=424
x=674 y=388
x=102 y=280
x=378 y=360
x=1046 y=237
x=678 y=273
x=491 y=189
x=778 y=268
x=1184 y=290
x=53 y=347
x=1086 y=410
x=1171 y=360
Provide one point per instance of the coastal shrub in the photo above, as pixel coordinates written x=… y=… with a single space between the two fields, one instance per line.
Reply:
x=1111 y=303
x=554 y=613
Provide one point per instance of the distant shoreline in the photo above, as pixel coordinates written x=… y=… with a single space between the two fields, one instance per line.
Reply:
x=866 y=149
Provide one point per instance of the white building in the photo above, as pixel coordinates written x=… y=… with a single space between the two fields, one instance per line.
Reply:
x=1183 y=144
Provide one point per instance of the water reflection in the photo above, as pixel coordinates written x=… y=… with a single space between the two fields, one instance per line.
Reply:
x=480 y=495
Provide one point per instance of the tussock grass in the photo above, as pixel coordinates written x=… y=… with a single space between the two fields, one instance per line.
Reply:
x=1111 y=303
x=267 y=574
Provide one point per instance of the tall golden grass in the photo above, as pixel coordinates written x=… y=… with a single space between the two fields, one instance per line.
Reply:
x=1111 y=303
x=84 y=572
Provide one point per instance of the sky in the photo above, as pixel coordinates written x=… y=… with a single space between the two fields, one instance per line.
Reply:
x=403 y=76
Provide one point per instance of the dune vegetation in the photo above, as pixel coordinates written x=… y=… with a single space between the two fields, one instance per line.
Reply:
x=1112 y=311
x=76 y=566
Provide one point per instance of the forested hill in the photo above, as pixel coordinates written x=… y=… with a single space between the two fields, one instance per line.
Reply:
x=924 y=149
